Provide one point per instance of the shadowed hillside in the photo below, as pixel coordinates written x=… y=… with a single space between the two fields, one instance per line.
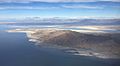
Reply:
x=104 y=43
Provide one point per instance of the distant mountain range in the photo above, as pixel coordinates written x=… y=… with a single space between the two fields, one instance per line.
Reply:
x=69 y=21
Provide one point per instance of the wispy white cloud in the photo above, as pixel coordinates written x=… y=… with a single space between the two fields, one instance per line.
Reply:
x=46 y=0
x=112 y=0
x=82 y=6
x=28 y=7
x=51 y=7
x=25 y=1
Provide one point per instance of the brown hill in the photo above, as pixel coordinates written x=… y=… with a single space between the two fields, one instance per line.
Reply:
x=105 y=43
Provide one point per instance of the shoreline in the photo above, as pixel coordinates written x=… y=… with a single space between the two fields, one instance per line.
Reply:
x=77 y=51
x=1 y=23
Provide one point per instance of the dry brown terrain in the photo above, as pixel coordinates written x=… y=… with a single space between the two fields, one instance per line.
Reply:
x=96 y=44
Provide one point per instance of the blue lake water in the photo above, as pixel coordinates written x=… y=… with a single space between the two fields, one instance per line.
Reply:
x=16 y=50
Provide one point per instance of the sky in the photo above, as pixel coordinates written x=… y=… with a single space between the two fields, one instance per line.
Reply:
x=59 y=8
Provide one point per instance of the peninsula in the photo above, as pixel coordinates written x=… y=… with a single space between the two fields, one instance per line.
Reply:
x=102 y=45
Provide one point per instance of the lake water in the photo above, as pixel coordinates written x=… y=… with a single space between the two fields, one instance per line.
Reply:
x=16 y=50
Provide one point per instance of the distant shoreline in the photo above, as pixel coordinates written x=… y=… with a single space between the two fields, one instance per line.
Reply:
x=7 y=23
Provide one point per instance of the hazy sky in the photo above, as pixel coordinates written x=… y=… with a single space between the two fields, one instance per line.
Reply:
x=60 y=8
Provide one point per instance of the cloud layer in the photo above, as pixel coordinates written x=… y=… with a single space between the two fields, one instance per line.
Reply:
x=51 y=5
x=81 y=7
x=26 y=8
x=25 y=1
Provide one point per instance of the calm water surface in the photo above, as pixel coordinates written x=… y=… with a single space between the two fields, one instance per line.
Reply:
x=16 y=50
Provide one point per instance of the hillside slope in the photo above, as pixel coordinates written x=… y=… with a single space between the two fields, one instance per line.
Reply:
x=104 y=44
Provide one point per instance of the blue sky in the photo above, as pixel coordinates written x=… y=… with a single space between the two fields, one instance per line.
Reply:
x=60 y=8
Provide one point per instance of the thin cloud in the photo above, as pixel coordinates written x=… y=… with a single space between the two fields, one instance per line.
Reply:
x=50 y=7
x=81 y=6
x=47 y=0
x=28 y=7
x=112 y=0
x=26 y=1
